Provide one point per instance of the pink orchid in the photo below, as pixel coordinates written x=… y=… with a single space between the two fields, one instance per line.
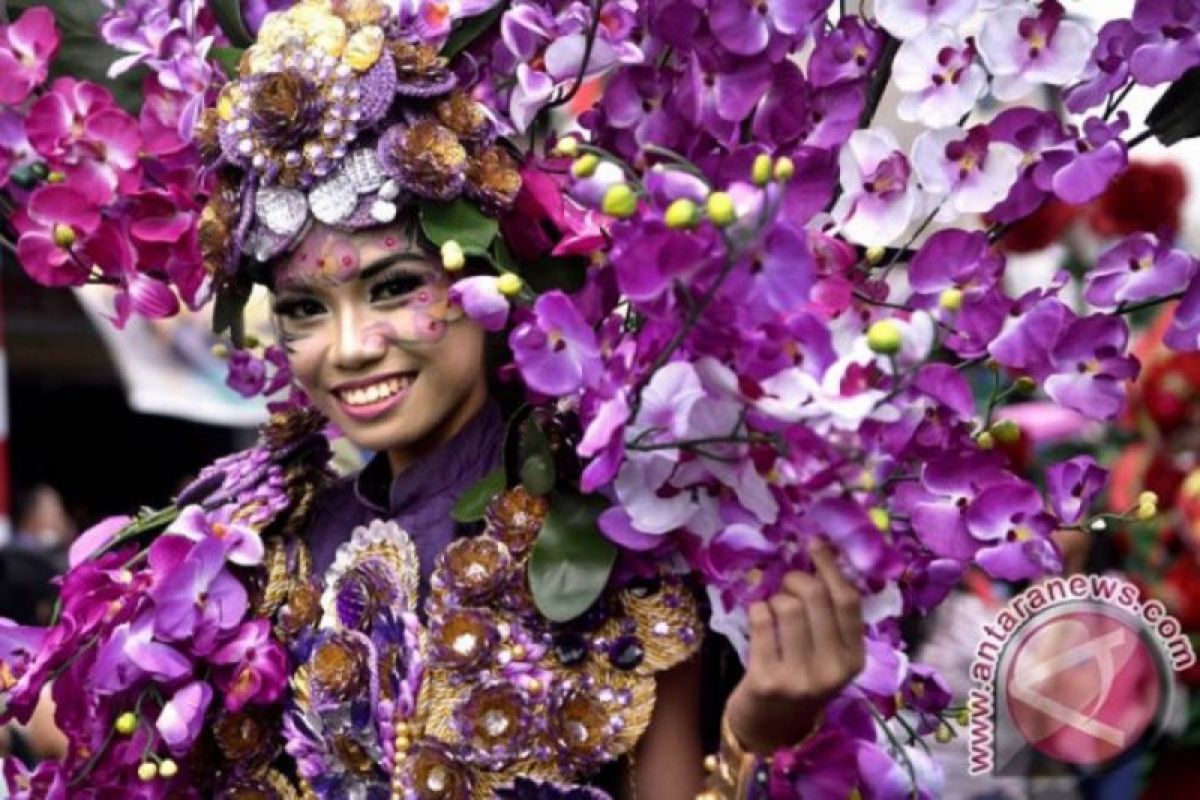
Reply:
x=26 y=48
x=78 y=128
x=111 y=250
x=253 y=666
x=15 y=150
x=51 y=228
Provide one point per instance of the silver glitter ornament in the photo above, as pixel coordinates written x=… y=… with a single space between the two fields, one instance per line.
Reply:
x=282 y=211
x=333 y=200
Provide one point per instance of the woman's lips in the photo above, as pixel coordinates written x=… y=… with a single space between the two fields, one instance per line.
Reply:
x=364 y=400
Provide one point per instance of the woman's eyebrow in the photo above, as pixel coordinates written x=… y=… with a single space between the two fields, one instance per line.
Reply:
x=377 y=267
x=308 y=283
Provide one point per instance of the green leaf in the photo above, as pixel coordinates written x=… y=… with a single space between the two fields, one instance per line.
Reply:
x=229 y=58
x=567 y=274
x=229 y=18
x=470 y=30
x=571 y=560
x=537 y=468
x=73 y=16
x=461 y=221
x=473 y=503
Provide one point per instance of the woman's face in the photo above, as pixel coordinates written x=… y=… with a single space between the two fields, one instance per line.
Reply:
x=374 y=341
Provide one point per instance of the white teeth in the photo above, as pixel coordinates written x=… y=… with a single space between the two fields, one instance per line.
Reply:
x=366 y=395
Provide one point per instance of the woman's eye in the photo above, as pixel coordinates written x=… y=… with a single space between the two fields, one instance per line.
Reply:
x=302 y=308
x=393 y=288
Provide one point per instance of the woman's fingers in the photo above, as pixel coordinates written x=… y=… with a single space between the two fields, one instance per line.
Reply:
x=847 y=603
x=793 y=624
x=764 y=649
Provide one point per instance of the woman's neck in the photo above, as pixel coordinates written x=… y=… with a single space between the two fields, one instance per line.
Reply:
x=402 y=458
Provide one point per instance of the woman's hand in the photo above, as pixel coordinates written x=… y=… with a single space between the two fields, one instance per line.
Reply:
x=806 y=643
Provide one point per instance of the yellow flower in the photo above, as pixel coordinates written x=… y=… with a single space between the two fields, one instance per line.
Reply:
x=364 y=48
x=327 y=33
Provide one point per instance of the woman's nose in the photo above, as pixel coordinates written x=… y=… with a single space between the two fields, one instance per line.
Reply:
x=357 y=345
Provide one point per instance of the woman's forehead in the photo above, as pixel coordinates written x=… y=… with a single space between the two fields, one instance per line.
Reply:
x=330 y=256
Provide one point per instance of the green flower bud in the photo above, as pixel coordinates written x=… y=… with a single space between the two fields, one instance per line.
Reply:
x=951 y=299
x=147 y=771
x=720 y=209
x=883 y=337
x=1006 y=431
x=683 y=213
x=881 y=518
x=168 y=768
x=585 y=165
x=1025 y=384
x=620 y=201
x=567 y=146
x=453 y=257
x=509 y=284
x=126 y=724
x=760 y=173
x=985 y=441
x=785 y=169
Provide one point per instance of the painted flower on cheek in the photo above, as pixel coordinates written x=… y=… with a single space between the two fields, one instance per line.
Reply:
x=557 y=349
x=970 y=174
x=939 y=78
x=905 y=19
x=879 y=196
x=1023 y=46
x=1139 y=268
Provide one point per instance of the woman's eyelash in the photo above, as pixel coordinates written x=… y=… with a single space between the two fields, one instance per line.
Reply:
x=396 y=286
x=297 y=308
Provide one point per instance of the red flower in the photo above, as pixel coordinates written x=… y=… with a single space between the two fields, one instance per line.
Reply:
x=1040 y=229
x=1145 y=197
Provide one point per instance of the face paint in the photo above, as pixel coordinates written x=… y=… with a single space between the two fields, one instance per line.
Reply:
x=325 y=257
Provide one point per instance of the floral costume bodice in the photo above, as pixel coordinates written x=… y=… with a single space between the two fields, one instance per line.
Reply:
x=480 y=689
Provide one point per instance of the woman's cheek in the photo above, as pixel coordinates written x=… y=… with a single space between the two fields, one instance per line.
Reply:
x=304 y=353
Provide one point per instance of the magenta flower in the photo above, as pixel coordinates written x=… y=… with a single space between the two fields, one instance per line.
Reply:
x=557 y=349
x=47 y=781
x=1022 y=46
x=252 y=666
x=182 y=718
x=1140 y=267
x=50 y=230
x=27 y=47
x=247 y=375
x=243 y=546
x=1091 y=366
x=112 y=251
x=1073 y=484
x=482 y=301
x=196 y=597
x=94 y=538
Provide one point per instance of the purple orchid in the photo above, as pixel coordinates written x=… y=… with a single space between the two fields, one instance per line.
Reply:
x=1172 y=45
x=1091 y=367
x=182 y=718
x=1014 y=531
x=197 y=599
x=1184 y=333
x=1078 y=171
x=879 y=196
x=557 y=349
x=905 y=19
x=482 y=301
x=1022 y=47
x=966 y=174
x=847 y=52
x=939 y=77
x=1140 y=267
x=1073 y=485
x=253 y=666
x=1032 y=132
x=134 y=653
x=242 y=544
x=1108 y=69
x=743 y=29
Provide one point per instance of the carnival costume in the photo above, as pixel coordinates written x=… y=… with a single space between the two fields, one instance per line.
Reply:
x=717 y=360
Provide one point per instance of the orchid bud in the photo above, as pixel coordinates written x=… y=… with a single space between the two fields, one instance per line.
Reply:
x=881 y=518
x=220 y=350
x=1147 y=511
x=683 y=213
x=620 y=201
x=1006 y=431
x=250 y=341
x=785 y=169
x=985 y=441
x=585 y=165
x=509 y=284
x=964 y=716
x=55 y=177
x=126 y=724
x=567 y=146
x=453 y=257
x=951 y=299
x=1025 y=384
x=168 y=768
x=64 y=235
x=1148 y=498
x=760 y=172
x=884 y=337
x=944 y=733
x=720 y=209
x=147 y=771
x=874 y=254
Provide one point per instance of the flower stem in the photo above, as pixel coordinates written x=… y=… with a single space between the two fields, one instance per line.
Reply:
x=1141 y=137
x=879 y=81
x=1132 y=307
x=583 y=65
